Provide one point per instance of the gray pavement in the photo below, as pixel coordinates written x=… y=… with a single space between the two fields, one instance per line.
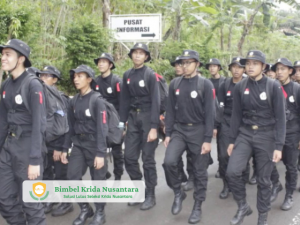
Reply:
x=215 y=211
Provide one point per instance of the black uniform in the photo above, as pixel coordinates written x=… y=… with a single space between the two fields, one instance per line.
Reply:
x=21 y=144
x=111 y=92
x=88 y=136
x=255 y=128
x=56 y=170
x=140 y=106
x=290 y=151
x=189 y=123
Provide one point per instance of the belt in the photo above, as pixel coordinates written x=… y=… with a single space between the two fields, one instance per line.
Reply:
x=256 y=127
x=190 y=124
x=23 y=134
x=141 y=109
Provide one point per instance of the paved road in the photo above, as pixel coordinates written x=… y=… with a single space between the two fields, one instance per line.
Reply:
x=215 y=210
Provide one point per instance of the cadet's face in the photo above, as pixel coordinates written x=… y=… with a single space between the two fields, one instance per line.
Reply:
x=178 y=69
x=283 y=72
x=237 y=71
x=254 y=67
x=9 y=59
x=104 y=65
x=189 y=66
x=214 y=69
x=139 y=56
x=48 y=79
x=271 y=74
x=81 y=80
x=297 y=75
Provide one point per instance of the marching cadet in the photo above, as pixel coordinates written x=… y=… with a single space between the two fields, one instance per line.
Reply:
x=290 y=153
x=297 y=79
x=257 y=127
x=214 y=66
x=269 y=72
x=22 y=130
x=189 y=125
x=55 y=169
x=189 y=181
x=87 y=131
x=109 y=85
x=140 y=106
x=225 y=97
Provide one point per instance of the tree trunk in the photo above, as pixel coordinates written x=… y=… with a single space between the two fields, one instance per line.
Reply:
x=222 y=38
x=106 y=12
x=177 y=27
x=229 y=38
x=247 y=28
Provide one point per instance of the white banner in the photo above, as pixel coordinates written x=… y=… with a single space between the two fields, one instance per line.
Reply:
x=83 y=191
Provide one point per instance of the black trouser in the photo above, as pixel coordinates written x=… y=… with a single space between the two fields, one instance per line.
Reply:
x=118 y=158
x=14 y=162
x=138 y=129
x=82 y=156
x=224 y=135
x=261 y=144
x=189 y=165
x=54 y=170
x=187 y=137
x=290 y=154
x=218 y=138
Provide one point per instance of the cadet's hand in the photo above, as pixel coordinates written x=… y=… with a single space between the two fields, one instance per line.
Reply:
x=33 y=172
x=277 y=156
x=56 y=155
x=215 y=133
x=229 y=149
x=64 y=159
x=98 y=162
x=152 y=136
x=166 y=142
x=206 y=148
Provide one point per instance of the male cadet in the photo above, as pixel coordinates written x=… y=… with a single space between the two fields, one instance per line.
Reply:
x=297 y=79
x=22 y=129
x=109 y=85
x=290 y=153
x=257 y=128
x=214 y=66
x=140 y=105
x=190 y=181
x=225 y=97
x=269 y=72
x=189 y=125
x=55 y=169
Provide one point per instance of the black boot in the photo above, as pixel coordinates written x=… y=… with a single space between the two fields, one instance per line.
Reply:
x=243 y=210
x=86 y=212
x=48 y=207
x=195 y=216
x=149 y=200
x=189 y=184
x=177 y=204
x=262 y=219
x=63 y=209
x=225 y=192
x=133 y=203
x=288 y=201
x=252 y=180
x=275 y=190
x=117 y=177
x=108 y=175
x=99 y=217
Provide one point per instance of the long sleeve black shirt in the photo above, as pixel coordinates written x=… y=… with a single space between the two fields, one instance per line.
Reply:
x=112 y=94
x=81 y=122
x=255 y=99
x=292 y=107
x=11 y=100
x=134 y=93
x=185 y=106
